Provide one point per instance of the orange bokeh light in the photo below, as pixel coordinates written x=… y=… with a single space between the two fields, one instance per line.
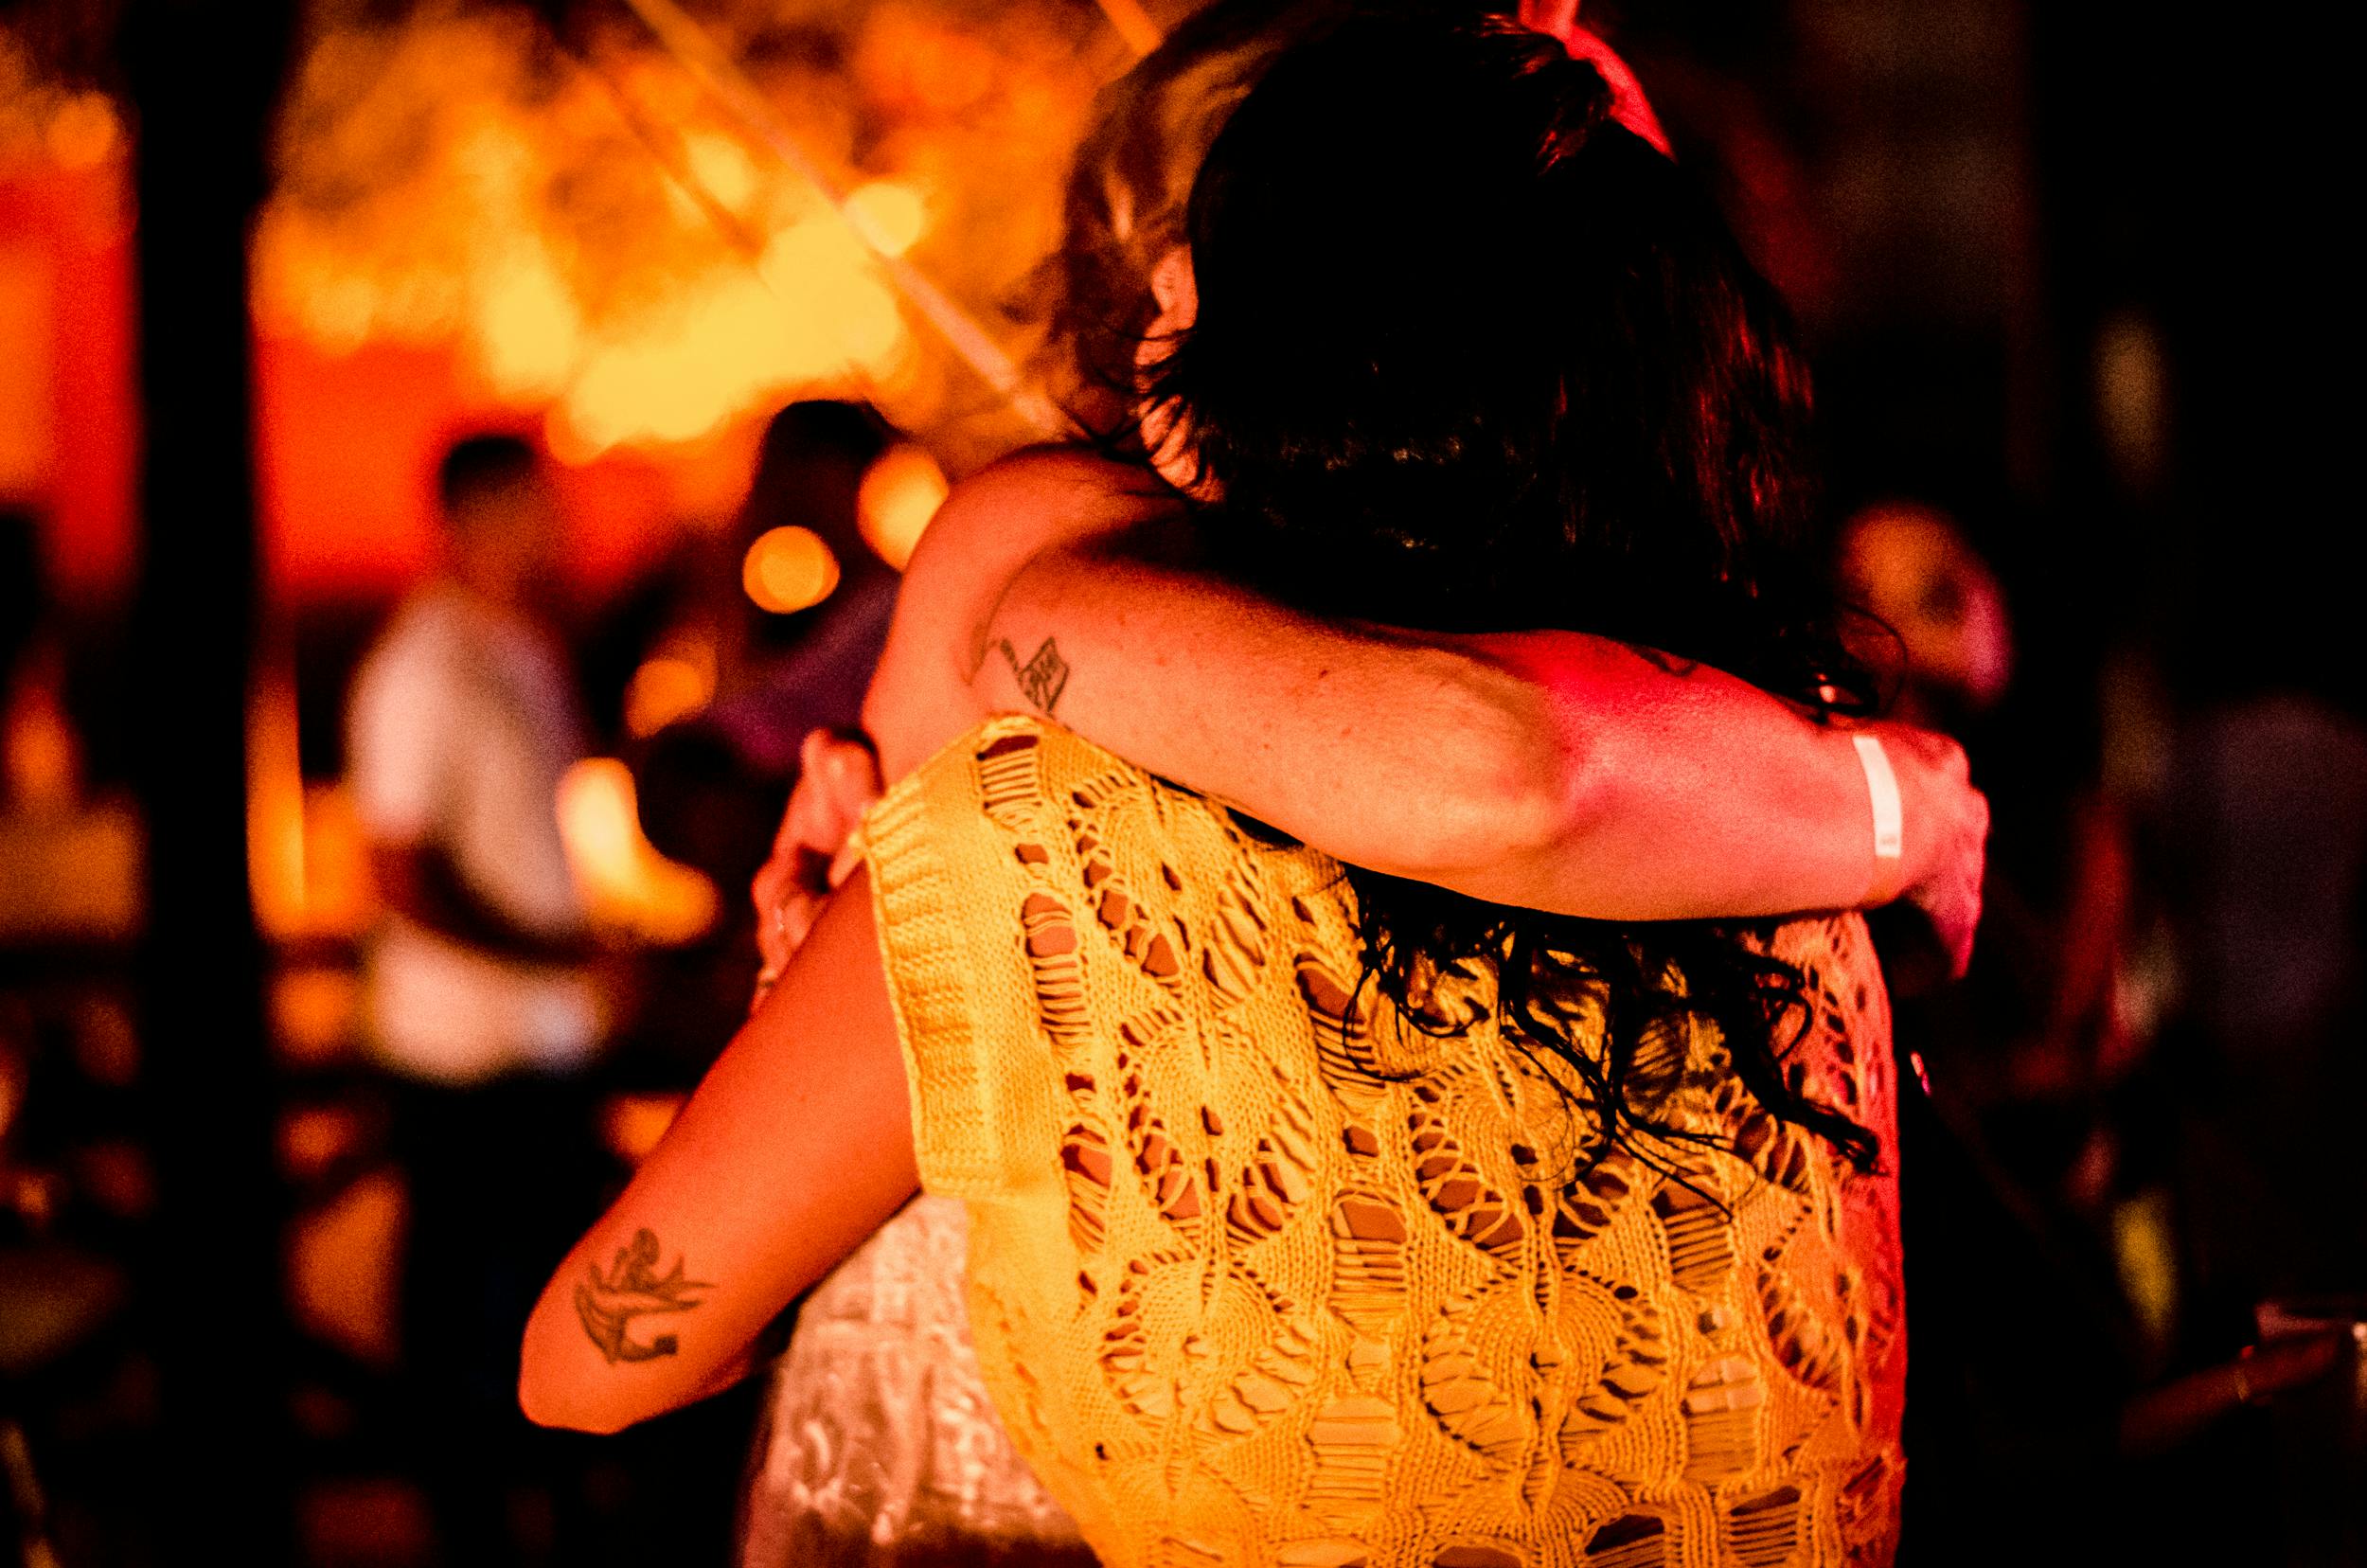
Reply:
x=901 y=494
x=674 y=682
x=890 y=216
x=627 y=882
x=789 y=569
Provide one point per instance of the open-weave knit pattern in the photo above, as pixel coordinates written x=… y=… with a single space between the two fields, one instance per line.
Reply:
x=1261 y=1274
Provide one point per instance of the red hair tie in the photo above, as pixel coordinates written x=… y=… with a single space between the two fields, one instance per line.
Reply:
x=1558 y=19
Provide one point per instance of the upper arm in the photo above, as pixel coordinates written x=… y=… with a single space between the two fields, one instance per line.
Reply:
x=989 y=528
x=795 y=1147
x=1389 y=749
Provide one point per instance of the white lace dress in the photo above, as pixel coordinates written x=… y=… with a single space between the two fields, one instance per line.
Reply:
x=878 y=1445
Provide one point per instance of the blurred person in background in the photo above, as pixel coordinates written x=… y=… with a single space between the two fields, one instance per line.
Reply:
x=1911 y=567
x=2268 y=811
x=790 y=631
x=769 y=646
x=479 y=1000
x=2033 y=1134
x=2263 y=812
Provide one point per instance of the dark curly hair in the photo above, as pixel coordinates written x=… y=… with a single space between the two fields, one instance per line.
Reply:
x=1471 y=356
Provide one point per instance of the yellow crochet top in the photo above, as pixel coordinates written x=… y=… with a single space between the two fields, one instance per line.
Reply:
x=1259 y=1275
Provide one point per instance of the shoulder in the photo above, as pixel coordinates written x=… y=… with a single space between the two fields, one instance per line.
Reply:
x=995 y=523
x=412 y=653
x=1019 y=505
x=1056 y=470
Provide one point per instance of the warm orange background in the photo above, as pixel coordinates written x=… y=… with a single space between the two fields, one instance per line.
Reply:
x=347 y=444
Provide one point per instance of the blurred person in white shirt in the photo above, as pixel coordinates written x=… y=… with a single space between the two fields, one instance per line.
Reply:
x=481 y=1005
x=464 y=718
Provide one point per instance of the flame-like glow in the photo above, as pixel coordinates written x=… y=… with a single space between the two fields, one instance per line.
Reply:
x=529 y=331
x=337 y=892
x=723 y=169
x=43 y=119
x=607 y=247
x=275 y=809
x=306 y=866
x=789 y=569
x=627 y=882
x=41 y=757
x=901 y=494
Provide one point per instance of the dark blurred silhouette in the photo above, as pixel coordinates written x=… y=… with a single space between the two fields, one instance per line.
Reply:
x=712 y=783
x=21 y=599
x=2262 y=843
x=2042 y=1232
x=2268 y=813
x=41 y=761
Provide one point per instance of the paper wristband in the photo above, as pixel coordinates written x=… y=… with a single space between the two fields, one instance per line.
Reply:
x=1882 y=786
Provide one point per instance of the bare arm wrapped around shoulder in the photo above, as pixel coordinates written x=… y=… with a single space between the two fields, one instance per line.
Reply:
x=1550 y=769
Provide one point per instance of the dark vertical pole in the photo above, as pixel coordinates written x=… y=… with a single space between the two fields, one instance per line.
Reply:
x=203 y=73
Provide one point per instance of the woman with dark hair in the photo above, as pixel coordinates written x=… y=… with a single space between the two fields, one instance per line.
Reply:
x=1323 y=1218
x=1585 y=777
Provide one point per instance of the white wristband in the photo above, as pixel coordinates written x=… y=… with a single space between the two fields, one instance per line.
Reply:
x=1890 y=818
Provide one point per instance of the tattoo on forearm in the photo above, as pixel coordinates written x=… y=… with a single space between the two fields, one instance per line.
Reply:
x=632 y=1289
x=1042 y=678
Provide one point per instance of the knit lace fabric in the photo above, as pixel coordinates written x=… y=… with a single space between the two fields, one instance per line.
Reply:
x=1261 y=1274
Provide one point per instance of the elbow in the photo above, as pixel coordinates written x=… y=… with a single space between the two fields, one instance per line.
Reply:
x=1541 y=800
x=1553 y=785
x=546 y=1406
x=534 y=1401
x=548 y=1396
x=1529 y=790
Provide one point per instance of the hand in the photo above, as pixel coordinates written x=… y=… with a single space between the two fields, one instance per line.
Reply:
x=2279 y=1366
x=838 y=778
x=2164 y=1417
x=1946 y=837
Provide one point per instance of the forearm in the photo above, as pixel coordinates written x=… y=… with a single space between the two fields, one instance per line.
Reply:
x=1330 y=731
x=1685 y=793
x=663 y=1299
x=1549 y=770
x=796 y=1146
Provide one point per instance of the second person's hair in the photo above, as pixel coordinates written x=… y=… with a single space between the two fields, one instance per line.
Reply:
x=1471 y=356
